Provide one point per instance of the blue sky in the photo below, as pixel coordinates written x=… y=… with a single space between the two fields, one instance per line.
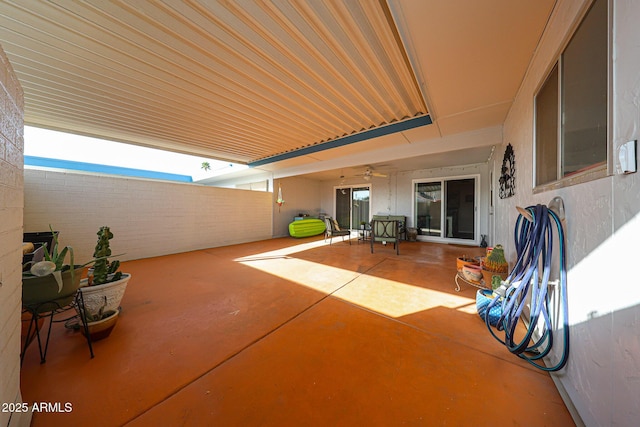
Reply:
x=63 y=146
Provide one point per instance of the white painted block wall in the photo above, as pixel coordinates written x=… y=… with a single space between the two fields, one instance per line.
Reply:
x=11 y=160
x=148 y=218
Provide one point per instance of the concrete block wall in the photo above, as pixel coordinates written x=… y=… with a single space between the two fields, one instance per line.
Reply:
x=148 y=218
x=11 y=183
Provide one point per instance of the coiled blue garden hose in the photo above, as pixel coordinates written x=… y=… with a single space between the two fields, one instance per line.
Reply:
x=528 y=283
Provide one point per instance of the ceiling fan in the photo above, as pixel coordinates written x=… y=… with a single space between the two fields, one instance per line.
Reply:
x=369 y=172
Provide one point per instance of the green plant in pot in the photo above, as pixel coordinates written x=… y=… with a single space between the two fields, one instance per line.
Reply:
x=50 y=284
x=105 y=286
x=494 y=265
x=48 y=287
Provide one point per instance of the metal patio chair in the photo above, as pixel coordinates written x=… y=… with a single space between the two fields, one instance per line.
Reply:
x=333 y=229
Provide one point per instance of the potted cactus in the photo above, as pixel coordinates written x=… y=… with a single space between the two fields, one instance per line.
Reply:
x=105 y=286
x=494 y=264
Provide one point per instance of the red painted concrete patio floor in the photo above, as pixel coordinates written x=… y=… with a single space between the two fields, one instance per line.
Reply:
x=291 y=332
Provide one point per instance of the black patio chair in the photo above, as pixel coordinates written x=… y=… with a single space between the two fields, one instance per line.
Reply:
x=333 y=229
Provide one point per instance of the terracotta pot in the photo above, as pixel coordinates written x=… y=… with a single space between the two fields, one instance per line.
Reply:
x=487 y=275
x=461 y=262
x=472 y=273
x=102 y=328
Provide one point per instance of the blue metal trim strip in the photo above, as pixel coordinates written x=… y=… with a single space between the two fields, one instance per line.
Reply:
x=349 y=139
x=106 y=169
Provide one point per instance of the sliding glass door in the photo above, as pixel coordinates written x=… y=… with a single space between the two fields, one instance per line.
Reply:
x=445 y=209
x=428 y=202
x=352 y=206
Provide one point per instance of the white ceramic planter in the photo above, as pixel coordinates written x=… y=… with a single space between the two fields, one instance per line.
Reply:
x=94 y=296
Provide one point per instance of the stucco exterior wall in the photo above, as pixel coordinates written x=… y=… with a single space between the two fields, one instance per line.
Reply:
x=148 y=218
x=11 y=183
x=393 y=195
x=602 y=225
x=301 y=195
x=405 y=191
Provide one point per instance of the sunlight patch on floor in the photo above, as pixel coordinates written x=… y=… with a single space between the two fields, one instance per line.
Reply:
x=397 y=299
x=283 y=252
x=322 y=278
x=388 y=297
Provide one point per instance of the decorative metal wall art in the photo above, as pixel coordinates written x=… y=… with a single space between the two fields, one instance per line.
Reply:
x=508 y=173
